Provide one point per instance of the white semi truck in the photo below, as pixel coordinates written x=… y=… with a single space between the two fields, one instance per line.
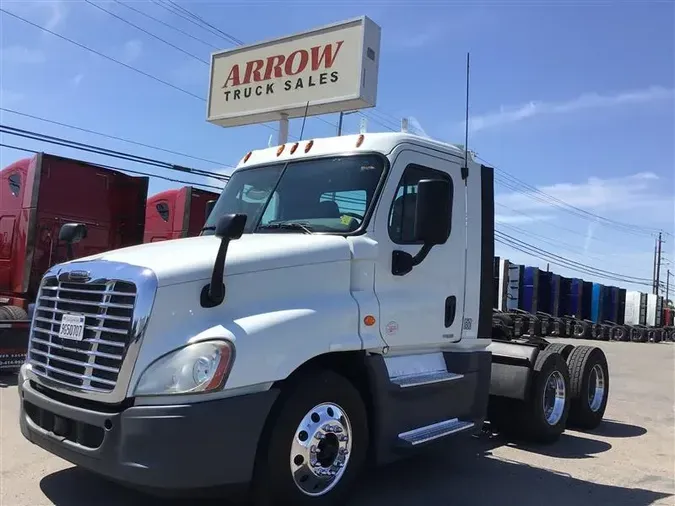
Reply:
x=336 y=312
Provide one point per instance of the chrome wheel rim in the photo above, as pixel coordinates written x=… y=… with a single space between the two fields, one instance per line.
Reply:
x=321 y=448
x=596 y=388
x=554 y=398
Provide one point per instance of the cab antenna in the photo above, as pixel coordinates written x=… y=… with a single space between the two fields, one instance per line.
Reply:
x=465 y=169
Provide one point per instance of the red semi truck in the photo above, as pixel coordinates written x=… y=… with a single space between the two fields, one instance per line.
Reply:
x=39 y=195
x=177 y=213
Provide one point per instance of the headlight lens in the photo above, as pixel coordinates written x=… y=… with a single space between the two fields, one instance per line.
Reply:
x=199 y=367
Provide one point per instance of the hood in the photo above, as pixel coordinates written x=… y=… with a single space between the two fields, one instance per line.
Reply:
x=191 y=259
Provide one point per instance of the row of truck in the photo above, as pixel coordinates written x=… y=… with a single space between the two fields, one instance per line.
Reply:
x=530 y=301
x=41 y=193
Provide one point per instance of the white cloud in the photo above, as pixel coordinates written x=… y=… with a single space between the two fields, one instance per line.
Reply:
x=21 y=55
x=49 y=13
x=633 y=198
x=508 y=115
x=422 y=38
x=57 y=13
x=9 y=98
x=132 y=50
x=514 y=219
x=77 y=79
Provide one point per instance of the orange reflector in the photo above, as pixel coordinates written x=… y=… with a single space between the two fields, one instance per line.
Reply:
x=309 y=146
x=294 y=147
x=369 y=320
x=359 y=141
x=281 y=149
x=248 y=155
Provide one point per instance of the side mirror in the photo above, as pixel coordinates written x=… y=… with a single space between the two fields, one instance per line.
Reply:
x=228 y=228
x=209 y=208
x=433 y=220
x=72 y=233
x=433 y=212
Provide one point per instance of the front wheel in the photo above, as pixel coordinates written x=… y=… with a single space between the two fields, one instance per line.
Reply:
x=316 y=444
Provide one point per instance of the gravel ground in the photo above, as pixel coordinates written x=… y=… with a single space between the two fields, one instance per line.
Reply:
x=627 y=461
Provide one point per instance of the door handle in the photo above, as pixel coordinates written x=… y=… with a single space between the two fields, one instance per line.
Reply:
x=450 y=310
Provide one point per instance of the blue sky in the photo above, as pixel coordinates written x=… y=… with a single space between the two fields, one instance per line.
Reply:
x=576 y=99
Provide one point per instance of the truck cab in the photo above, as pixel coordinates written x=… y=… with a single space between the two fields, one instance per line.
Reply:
x=336 y=310
x=176 y=213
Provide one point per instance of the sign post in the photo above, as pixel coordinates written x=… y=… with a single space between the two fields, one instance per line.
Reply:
x=333 y=68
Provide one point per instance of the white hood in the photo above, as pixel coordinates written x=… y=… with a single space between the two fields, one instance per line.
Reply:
x=191 y=259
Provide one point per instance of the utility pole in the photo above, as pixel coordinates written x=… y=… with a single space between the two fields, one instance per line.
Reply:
x=667 y=285
x=658 y=265
x=656 y=247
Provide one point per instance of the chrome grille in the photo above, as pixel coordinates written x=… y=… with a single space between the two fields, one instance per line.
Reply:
x=94 y=363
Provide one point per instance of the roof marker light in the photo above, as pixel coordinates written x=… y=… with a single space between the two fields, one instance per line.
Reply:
x=309 y=146
x=248 y=155
x=359 y=141
x=280 y=149
x=294 y=147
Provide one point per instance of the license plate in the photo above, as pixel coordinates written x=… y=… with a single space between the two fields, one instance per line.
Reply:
x=72 y=327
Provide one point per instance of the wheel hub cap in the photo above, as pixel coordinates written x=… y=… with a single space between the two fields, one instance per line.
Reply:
x=321 y=449
x=554 y=398
x=596 y=388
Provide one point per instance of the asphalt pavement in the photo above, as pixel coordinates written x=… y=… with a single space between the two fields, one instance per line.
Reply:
x=628 y=461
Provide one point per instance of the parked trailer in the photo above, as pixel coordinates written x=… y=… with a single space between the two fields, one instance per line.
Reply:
x=38 y=196
x=386 y=346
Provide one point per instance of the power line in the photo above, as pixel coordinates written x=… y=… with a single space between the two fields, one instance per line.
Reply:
x=19 y=148
x=565 y=262
x=27 y=134
x=109 y=136
x=183 y=16
x=226 y=35
x=87 y=48
x=147 y=32
x=149 y=16
x=98 y=53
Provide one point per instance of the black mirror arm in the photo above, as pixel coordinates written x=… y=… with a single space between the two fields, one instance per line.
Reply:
x=214 y=293
x=403 y=262
x=69 y=251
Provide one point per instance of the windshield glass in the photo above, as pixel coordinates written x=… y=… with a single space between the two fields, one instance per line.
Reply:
x=324 y=195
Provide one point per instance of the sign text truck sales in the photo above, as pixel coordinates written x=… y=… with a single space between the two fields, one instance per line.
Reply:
x=333 y=68
x=241 y=83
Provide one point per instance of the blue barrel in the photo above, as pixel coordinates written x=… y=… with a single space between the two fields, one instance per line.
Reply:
x=598 y=303
x=587 y=300
x=530 y=289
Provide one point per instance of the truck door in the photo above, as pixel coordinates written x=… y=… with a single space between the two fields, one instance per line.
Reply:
x=422 y=309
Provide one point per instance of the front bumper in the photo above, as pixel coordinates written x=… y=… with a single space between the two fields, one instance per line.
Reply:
x=163 y=448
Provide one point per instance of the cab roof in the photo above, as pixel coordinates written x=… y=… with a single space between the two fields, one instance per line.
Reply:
x=380 y=142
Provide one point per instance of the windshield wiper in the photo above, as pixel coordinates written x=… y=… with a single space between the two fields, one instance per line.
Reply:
x=286 y=226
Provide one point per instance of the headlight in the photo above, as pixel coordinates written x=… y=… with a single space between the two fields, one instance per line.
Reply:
x=199 y=367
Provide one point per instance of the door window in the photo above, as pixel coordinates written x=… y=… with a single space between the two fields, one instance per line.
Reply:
x=402 y=213
x=15 y=184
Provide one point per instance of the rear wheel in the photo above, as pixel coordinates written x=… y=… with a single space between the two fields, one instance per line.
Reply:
x=545 y=414
x=563 y=349
x=12 y=313
x=589 y=386
x=316 y=446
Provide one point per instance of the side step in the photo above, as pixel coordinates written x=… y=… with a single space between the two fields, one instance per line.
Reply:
x=427 y=378
x=432 y=432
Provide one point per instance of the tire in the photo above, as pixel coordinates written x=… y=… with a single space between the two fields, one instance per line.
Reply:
x=563 y=349
x=588 y=371
x=539 y=424
x=12 y=313
x=319 y=396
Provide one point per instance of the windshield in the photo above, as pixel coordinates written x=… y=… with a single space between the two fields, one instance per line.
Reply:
x=324 y=195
